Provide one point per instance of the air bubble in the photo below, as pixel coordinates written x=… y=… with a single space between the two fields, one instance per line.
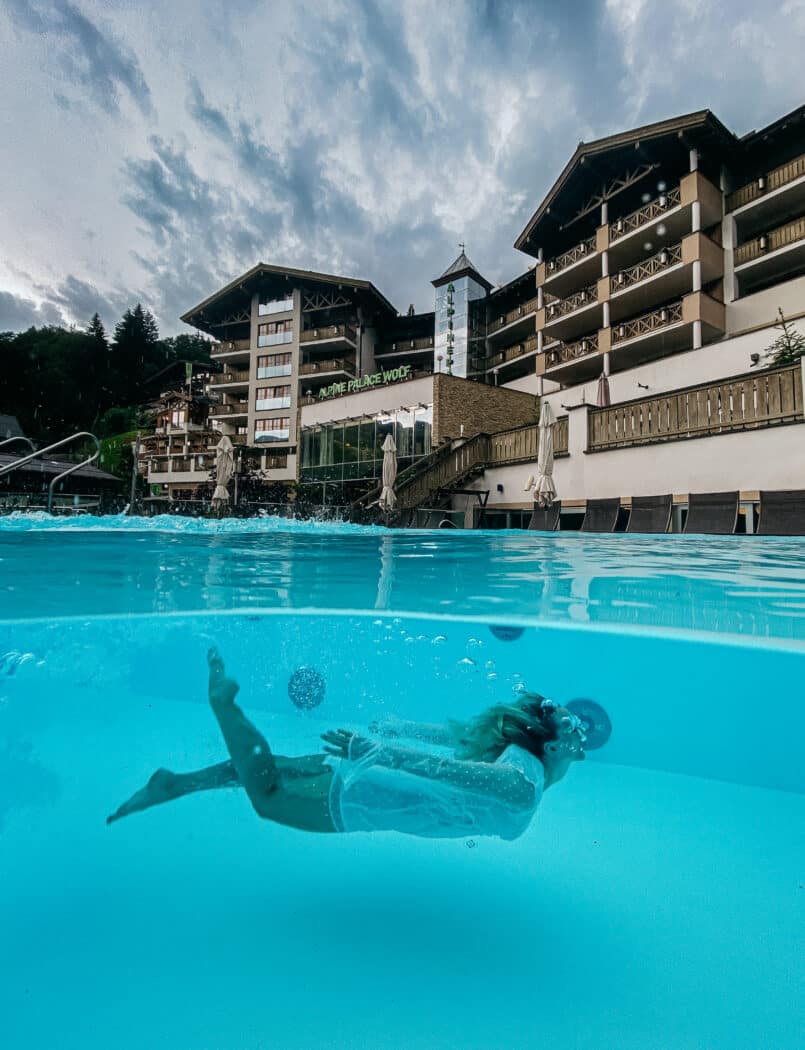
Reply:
x=662 y=230
x=466 y=662
x=662 y=187
x=490 y=665
x=491 y=676
x=647 y=246
x=439 y=640
x=646 y=198
x=474 y=643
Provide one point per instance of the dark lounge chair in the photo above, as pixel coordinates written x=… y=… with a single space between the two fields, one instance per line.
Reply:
x=545 y=519
x=650 y=514
x=782 y=513
x=601 y=515
x=712 y=513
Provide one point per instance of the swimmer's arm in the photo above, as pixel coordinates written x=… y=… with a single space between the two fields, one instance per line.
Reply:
x=500 y=781
x=430 y=732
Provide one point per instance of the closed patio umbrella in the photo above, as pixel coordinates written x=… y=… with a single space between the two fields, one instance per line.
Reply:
x=544 y=488
x=603 y=399
x=388 y=498
x=224 y=468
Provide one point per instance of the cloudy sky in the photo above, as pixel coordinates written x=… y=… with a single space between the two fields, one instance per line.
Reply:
x=153 y=151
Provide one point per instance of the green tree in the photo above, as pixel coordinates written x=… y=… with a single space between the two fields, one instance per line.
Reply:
x=789 y=346
x=136 y=354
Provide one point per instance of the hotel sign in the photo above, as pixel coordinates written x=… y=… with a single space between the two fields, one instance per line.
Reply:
x=353 y=386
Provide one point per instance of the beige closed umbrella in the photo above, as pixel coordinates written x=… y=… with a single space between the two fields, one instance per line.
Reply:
x=603 y=399
x=224 y=468
x=544 y=488
x=388 y=498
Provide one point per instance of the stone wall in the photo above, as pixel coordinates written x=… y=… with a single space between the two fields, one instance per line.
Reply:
x=480 y=409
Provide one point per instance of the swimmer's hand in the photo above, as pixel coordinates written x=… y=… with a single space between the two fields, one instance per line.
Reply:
x=390 y=727
x=344 y=743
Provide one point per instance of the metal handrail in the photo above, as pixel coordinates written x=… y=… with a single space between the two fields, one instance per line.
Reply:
x=19 y=437
x=50 y=448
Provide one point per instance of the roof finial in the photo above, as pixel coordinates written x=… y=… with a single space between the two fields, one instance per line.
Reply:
x=462 y=245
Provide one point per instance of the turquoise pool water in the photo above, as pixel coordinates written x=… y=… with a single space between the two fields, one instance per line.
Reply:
x=655 y=902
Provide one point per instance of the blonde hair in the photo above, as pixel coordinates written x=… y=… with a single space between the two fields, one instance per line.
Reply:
x=526 y=724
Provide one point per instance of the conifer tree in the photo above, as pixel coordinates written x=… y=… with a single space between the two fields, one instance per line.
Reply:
x=789 y=346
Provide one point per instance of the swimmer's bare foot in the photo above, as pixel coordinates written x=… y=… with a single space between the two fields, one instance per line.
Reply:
x=162 y=787
x=222 y=689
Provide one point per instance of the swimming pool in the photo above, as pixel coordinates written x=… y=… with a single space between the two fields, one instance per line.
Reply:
x=655 y=901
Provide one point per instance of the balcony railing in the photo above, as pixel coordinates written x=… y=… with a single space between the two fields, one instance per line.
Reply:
x=201 y=464
x=240 y=409
x=647 y=323
x=230 y=377
x=511 y=353
x=565 y=352
x=523 y=310
x=648 y=268
x=333 y=331
x=336 y=364
x=401 y=346
x=772 y=180
x=769 y=242
x=583 y=297
x=522 y=444
x=572 y=255
x=745 y=402
x=653 y=210
x=229 y=347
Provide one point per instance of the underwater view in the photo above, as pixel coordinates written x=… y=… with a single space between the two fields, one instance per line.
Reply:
x=655 y=900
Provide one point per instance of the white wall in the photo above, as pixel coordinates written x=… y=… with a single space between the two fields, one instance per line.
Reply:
x=370 y=402
x=761 y=308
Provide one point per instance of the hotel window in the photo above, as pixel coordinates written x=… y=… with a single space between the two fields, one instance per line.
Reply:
x=269 y=397
x=271 y=365
x=278 y=429
x=275 y=306
x=178 y=417
x=272 y=333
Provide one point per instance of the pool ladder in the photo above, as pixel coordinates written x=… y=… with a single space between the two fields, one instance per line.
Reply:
x=35 y=454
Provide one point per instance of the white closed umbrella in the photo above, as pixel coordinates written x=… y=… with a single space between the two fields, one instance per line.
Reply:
x=544 y=488
x=224 y=468
x=388 y=498
x=603 y=398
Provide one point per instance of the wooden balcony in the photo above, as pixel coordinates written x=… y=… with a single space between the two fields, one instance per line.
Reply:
x=240 y=408
x=333 y=337
x=642 y=216
x=404 y=347
x=576 y=313
x=521 y=318
x=767 y=184
x=746 y=402
x=647 y=324
x=771 y=257
x=511 y=356
x=230 y=379
x=572 y=269
x=312 y=371
x=230 y=349
x=664 y=276
x=572 y=362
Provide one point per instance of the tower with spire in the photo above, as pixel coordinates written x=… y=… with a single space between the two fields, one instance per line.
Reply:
x=458 y=345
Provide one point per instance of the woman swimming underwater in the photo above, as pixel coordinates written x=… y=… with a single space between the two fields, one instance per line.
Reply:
x=502 y=762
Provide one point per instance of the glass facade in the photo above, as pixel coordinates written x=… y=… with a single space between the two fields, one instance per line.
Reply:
x=455 y=323
x=266 y=430
x=353 y=450
x=271 y=365
x=275 y=306
x=269 y=397
x=273 y=333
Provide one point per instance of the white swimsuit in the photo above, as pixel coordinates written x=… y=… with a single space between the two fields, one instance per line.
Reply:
x=366 y=796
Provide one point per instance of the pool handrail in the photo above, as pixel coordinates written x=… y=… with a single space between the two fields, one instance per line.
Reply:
x=18 y=437
x=17 y=463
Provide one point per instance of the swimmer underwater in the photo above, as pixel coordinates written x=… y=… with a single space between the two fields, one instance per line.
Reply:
x=502 y=762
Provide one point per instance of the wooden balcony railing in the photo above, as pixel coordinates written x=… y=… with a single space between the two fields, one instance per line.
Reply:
x=647 y=323
x=333 y=331
x=572 y=255
x=511 y=353
x=643 y=270
x=523 y=310
x=745 y=402
x=769 y=242
x=583 y=297
x=401 y=346
x=230 y=377
x=239 y=409
x=230 y=346
x=337 y=364
x=772 y=180
x=640 y=216
x=522 y=444
x=565 y=352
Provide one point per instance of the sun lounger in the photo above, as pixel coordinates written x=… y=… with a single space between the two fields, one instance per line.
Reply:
x=782 y=513
x=601 y=515
x=712 y=513
x=650 y=514
x=545 y=519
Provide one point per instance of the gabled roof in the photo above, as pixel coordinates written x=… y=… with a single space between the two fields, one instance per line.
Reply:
x=247 y=283
x=461 y=267
x=692 y=127
x=9 y=427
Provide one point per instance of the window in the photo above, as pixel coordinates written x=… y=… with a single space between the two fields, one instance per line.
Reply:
x=278 y=429
x=269 y=397
x=274 y=306
x=178 y=416
x=271 y=333
x=269 y=366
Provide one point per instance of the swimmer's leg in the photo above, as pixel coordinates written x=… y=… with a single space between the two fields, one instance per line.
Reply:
x=251 y=756
x=164 y=786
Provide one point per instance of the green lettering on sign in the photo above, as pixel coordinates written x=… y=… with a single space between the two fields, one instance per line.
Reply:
x=382 y=378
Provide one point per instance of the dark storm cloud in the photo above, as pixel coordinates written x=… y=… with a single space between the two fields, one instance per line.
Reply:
x=18 y=313
x=89 y=58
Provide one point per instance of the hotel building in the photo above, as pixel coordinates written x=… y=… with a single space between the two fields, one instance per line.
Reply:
x=659 y=259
